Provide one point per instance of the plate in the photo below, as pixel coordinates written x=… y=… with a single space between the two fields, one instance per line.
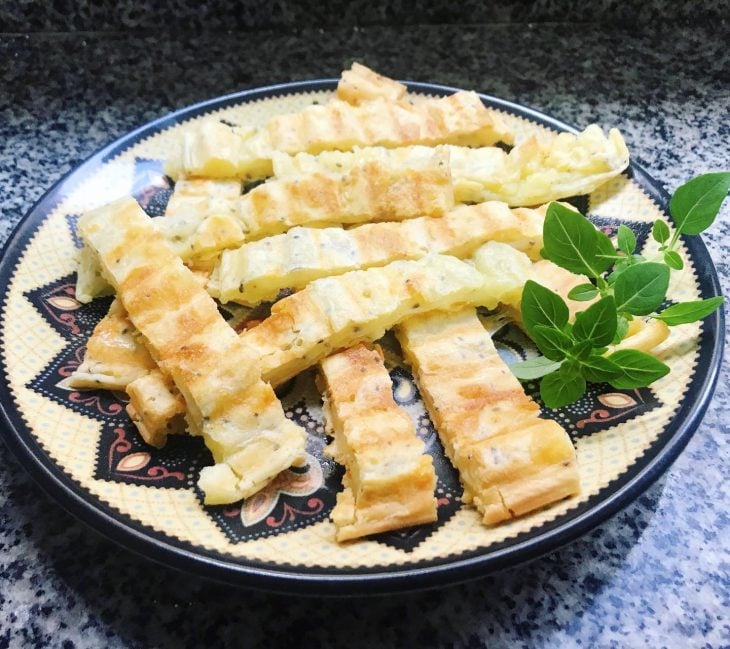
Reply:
x=83 y=450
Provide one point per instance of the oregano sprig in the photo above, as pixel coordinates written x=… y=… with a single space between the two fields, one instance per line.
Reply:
x=622 y=285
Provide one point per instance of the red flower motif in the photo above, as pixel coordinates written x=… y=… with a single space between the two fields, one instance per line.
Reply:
x=292 y=483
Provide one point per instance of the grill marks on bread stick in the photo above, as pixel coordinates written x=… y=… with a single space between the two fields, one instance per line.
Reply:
x=237 y=413
x=509 y=459
x=213 y=149
x=258 y=270
x=389 y=480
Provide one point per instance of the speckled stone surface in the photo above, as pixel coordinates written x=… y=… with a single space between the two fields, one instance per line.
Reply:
x=193 y=15
x=656 y=575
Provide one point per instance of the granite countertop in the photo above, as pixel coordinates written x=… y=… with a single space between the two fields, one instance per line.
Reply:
x=655 y=575
x=193 y=15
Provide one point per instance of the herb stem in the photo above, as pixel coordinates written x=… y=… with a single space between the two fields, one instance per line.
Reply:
x=603 y=287
x=673 y=241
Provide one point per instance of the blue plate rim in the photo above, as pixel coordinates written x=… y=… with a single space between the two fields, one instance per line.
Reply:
x=287 y=578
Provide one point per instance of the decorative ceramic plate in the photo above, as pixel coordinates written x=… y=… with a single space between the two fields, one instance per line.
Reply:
x=83 y=449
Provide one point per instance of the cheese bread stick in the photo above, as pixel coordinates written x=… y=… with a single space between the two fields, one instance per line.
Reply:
x=115 y=354
x=360 y=84
x=509 y=459
x=257 y=271
x=212 y=149
x=156 y=407
x=533 y=172
x=389 y=480
x=240 y=418
x=370 y=191
x=460 y=118
x=337 y=312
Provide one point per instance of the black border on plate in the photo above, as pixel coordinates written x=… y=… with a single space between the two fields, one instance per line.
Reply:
x=293 y=579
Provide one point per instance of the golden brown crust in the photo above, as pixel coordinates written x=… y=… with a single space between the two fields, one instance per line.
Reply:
x=534 y=172
x=238 y=414
x=371 y=191
x=115 y=355
x=360 y=83
x=258 y=270
x=460 y=118
x=337 y=312
x=116 y=359
x=509 y=460
x=156 y=407
x=389 y=482
x=213 y=149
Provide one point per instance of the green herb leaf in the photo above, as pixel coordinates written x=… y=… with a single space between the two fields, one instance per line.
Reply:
x=569 y=368
x=597 y=323
x=623 y=265
x=626 y=239
x=606 y=252
x=599 y=369
x=685 y=312
x=581 y=350
x=622 y=327
x=572 y=242
x=638 y=369
x=533 y=368
x=541 y=306
x=583 y=292
x=695 y=204
x=574 y=352
x=552 y=342
x=640 y=289
x=660 y=231
x=673 y=260
x=618 y=268
x=560 y=389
